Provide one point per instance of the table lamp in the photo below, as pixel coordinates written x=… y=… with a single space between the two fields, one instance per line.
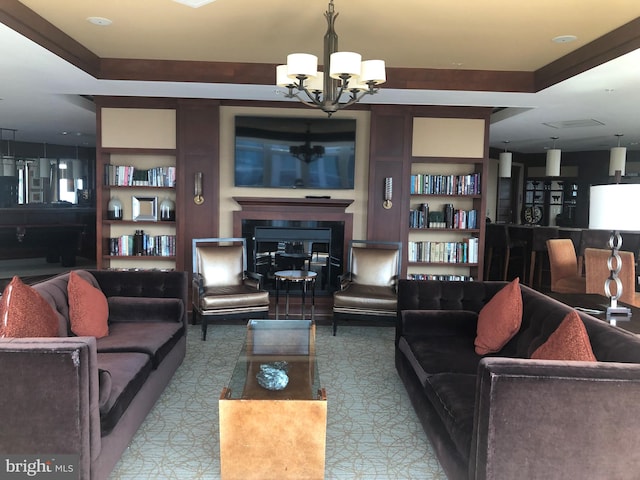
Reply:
x=612 y=207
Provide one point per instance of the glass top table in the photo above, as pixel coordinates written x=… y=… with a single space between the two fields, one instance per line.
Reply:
x=268 y=433
x=271 y=341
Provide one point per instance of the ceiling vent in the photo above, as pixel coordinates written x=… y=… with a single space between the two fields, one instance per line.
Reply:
x=588 y=122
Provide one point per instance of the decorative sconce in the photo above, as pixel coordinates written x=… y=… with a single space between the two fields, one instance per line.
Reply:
x=198 y=199
x=388 y=193
x=505 y=162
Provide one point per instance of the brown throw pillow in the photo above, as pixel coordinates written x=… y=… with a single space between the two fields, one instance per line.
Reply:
x=570 y=341
x=24 y=313
x=88 y=308
x=499 y=320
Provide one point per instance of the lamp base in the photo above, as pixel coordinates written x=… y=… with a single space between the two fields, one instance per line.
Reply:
x=615 y=314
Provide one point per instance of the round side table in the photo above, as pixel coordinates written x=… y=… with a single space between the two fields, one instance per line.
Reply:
x=306 y=279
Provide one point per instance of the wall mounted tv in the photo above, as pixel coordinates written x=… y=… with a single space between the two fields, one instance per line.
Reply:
x=293 y=152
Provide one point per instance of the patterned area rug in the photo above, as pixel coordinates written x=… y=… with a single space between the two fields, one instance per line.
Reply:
x=372 y=430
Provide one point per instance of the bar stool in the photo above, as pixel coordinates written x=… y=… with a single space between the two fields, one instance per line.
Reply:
x=539 y=237
x=497 y=238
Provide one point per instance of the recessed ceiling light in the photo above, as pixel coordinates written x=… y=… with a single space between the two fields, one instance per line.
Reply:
x=101 y=21
x=194 y=3
x=564 y=39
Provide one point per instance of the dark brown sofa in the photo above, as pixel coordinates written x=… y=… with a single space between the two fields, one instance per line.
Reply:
x=86 y=397
x=505 y=416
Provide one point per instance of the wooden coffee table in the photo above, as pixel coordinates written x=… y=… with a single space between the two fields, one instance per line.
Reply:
x=598 y=306
x=274 y=434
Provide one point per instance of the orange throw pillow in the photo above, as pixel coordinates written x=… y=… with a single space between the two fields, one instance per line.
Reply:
x=88 y=308
x=24 y=313
x=499 y=320
x=570 y=341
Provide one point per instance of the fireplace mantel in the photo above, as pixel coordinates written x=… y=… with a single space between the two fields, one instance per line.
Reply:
x=262 y=204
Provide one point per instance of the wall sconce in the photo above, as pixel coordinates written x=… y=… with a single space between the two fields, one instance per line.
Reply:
x=388 y=193
x=198 y=199
x=504 y=168
x=617 y=159
x=553 y=160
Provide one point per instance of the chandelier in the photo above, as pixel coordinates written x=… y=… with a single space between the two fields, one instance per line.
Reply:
x=305 y=152
x=344 y=81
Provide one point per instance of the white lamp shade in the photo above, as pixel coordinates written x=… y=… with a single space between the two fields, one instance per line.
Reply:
x=342 y=63
x=505 y=164
x=617 y=160
x=282 y=76
x=302 y=64
x=553 y=162
x=356 y=83
x=609 y=207
x=373 y=71
x=315 y=84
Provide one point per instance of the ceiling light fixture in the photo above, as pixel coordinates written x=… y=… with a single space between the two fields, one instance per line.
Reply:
x=552 y=168
x=505 y=162
x=100 y=21
x=617 y=159
x=344 y=73
x=564 y=39
x=194 y=3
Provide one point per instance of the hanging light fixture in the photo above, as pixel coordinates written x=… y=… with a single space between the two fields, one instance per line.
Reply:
x=617 y=159
x=343 y=82
x=8 y=160
x=505 y=162
x=553 y=160
x=306 y=152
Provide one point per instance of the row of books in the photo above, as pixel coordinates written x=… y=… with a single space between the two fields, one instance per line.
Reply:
x=452 y=218
x=446 y=278
x=130 y=176
x=444 y=252
x=143 y=244
x=426 y=184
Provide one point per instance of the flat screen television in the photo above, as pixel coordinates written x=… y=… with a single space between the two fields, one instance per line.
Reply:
x=294 y=152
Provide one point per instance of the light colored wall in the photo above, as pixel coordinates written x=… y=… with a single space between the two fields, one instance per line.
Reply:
x=228 y=191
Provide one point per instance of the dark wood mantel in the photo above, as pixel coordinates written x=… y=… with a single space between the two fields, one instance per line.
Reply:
x=277 y=204
x=296 y=209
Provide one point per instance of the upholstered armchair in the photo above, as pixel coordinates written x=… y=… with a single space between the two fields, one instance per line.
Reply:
x=564 y=267
x=368 y=288
x=222 y=287
x=597 y=271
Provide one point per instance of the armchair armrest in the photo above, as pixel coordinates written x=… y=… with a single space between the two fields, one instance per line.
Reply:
x=552 y=419
x=253 y=279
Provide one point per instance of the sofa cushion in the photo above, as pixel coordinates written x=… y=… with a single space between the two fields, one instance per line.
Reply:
x=155 y=339
x=569 y=342
x=429 y=355
x=453 y=396
x=145 y=309
x=88 y=308
x=500 y=319
x=128 y=372
x=24 y=313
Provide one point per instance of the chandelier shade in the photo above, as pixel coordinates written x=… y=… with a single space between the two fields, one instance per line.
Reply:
x=345 y=80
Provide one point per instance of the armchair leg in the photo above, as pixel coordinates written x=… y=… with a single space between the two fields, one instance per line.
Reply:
x=335 y=326
x=205 y=321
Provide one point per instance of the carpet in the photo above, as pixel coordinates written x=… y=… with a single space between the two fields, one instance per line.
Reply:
x=372 y=430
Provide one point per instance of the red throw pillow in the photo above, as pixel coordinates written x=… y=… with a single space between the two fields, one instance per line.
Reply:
x=570 y=341
x=88 y=308
x=499 y=320
x=24 y=313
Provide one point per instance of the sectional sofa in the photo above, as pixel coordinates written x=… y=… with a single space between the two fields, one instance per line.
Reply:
x=504 y=415
x=86 y=397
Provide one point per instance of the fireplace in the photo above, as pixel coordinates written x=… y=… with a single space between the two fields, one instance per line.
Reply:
x=285 y=234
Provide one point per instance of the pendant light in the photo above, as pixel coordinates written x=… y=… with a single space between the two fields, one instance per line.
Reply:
x=617 y=159
x=553 y=160
x=505 y=162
